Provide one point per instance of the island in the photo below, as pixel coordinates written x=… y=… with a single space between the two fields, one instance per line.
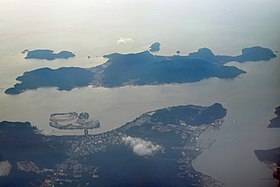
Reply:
x=73 y=120
x=46 y=54
x=141 y=68
x=275 y=122
x=155 y=47
x=24 y=51
x=157 y=149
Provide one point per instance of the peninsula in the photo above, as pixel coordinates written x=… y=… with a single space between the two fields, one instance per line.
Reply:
x=65 y=78
x=275 y=122
x=161 y=150
x=256 y=53
x=271 y=157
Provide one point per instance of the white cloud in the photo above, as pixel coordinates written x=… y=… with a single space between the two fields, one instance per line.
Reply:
x=125 y=41
x=140 y=146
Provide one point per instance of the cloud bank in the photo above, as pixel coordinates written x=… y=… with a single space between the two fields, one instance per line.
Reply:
x=125 y=41
x=140 y=146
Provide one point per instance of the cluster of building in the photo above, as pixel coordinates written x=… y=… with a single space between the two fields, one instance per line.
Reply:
x=80 y=146
x=90 y=144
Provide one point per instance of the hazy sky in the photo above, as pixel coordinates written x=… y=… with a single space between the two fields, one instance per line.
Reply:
x=76 y=22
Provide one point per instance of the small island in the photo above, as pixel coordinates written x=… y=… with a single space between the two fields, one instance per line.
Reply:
x=46 y=54
x=275 y=122
x=24 y=51
x=73 y=120
x=155 y=47
x=141 y=68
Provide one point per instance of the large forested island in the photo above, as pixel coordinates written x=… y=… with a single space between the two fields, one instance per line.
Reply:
x=155 y=149
x=141 y=68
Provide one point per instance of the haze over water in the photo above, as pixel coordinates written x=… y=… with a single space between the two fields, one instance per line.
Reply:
x=92 y=28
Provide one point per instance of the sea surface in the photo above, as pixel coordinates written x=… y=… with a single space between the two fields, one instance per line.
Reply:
x=93 y=27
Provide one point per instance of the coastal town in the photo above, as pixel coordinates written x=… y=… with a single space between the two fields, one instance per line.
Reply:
x=73 y=170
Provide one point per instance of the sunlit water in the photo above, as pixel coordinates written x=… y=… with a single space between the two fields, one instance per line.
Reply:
x=92 y=28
